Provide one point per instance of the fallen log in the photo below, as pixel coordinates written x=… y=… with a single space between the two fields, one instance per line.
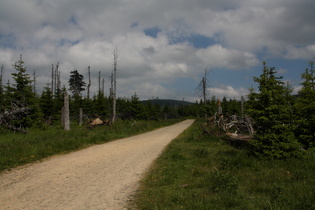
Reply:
x=96 y=122
x=205 y=130
x=8 y=116
x=238 y=137
x=13 y=128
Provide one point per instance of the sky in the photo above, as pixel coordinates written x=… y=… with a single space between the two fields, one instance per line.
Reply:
x=164 y=46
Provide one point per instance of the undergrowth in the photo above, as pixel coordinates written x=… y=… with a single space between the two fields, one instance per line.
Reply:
x=199 y=171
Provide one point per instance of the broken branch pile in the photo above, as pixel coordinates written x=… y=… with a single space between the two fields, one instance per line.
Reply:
x=9 y=115
x=237 y=128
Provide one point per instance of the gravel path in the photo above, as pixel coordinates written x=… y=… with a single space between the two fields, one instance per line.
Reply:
x=99 y=177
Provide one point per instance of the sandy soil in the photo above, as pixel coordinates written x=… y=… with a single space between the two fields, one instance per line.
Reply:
x=99 y=177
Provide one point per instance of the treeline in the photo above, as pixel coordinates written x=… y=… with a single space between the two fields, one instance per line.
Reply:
x=284 y=123
x=46 y=108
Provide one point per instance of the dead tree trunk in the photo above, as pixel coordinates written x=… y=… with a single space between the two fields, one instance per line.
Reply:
x=1 y=86
x=34 y=81
x=201 y=90
x=80 y=116
x=89 y=85
x=57 y=80
x=99 y=81
x=114 y=86
x=103 y=87
x=13 y=128
x=52 y=78
x=66 y=117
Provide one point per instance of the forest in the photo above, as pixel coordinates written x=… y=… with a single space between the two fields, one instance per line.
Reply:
x=45 y=108
x=284 y=123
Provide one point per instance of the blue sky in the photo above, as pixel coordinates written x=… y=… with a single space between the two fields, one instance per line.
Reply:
x=164 y=46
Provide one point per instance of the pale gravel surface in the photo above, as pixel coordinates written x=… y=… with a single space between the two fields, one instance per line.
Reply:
x=99 y=177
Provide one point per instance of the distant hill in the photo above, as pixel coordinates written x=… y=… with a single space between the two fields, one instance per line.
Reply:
x=168 y=102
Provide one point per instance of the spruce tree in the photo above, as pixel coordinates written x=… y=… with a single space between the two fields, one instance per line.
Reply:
x=101 y=105
x=58 y=101
x=47 y=103
x=136 y=108
x=274 y=137
x=305 y=109
x=7 y=97
x=76 y=83
x=23 y=96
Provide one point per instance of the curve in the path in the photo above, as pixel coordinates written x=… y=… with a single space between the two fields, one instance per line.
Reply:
x=99 y=177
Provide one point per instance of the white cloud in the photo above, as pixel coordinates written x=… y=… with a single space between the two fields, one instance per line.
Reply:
x=79 y=33
x=306 y=52
x=296 y=89
x=218 y=56
x=282 y=71
x=145 y=89
x=228 y=91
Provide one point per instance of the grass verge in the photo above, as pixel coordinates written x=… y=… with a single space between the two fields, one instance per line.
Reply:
x=197 y=171
x=17 y=149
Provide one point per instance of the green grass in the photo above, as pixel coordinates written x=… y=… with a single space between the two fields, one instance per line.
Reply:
x=17 y=149
x=198 y=171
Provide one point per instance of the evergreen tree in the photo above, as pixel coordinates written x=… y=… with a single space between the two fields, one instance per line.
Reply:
x=101 y=105
x=123 y=108
x=76 y=83
x=137 y=109
x=75 y=103
x=58 y=102
x=23 y=96
x=170 y=111
x=213 y=105
x=88 y=106
x=1 y=90
x=151 y=111
x=225 y=106
x=270 y=110
x=234 y=107
x=7 y=96
x=305 y=109
x=47 y=103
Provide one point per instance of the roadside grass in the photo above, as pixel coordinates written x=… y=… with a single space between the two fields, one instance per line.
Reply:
x=198 y=171
x=17 y=149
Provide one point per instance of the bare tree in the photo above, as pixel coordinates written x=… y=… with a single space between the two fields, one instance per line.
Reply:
x=103 y=86
x=58 y=83
x=34 y=81
x=1 y=86
x=80 y=116
x=99 y=81
x=201 y=89
x=57 y=78
x=89 y=85
x=66 y=117
x=52 y=78
x=113 y=85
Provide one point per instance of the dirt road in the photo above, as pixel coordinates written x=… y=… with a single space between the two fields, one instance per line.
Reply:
x=99 y=177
